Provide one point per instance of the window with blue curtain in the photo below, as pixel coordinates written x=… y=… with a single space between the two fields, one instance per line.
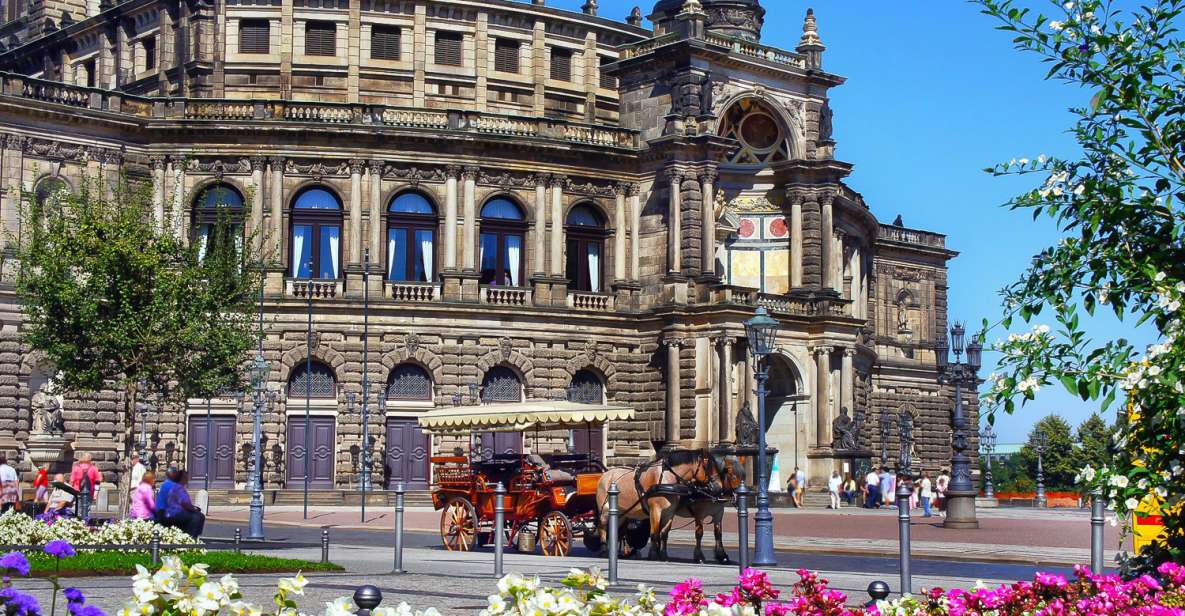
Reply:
x=217 y=219
x=503 y=227
x=585 y=231
x=316 y=235
x=411 y=239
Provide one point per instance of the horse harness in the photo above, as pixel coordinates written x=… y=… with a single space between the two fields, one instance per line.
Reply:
x=682 y=489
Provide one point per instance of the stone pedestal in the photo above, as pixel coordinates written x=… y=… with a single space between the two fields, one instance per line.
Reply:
x=960 y=510
x=461 y=286
x=47 y=449
x=986 y=503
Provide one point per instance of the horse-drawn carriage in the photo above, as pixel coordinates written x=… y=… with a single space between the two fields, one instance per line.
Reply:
x=551 y=497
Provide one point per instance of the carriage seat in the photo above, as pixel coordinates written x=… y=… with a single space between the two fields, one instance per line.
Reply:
x=555 y=475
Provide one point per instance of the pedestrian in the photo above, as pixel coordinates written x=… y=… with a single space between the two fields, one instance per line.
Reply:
x=914 y=493
x=792 y=489
x=801 y=477
x=941 y=485
x=834 y=485
x=849 y=490
x=10 y=486
x=143 y=505
x=872 y=495
x=180 y=512
x=927 y=495
x=59 y=499
x=887 y=483
x=137 y=469
x=41 y=485
x=162 y=495
x=85 y=469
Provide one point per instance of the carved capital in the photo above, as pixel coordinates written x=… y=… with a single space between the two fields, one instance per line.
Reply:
x=375 y=166
x=356 y=166
x=14 y=142
x=673 y=341
x=709 y=176
x=849 y=351
x=540 y=179
x=675 y=175
x=557 y=181
x=276 y=163
x=453 y=171
x=635 y=189
x=621 y=189
x=471 y=172
x=823 y=350
x=158 y=163
x=257 y=163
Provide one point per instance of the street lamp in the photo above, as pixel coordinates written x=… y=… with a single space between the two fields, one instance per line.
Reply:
x=365 y=481
x=762 y=331
x=886 y=425
x=961 y=494
x=259 y=376
x=1040 y=443
x=987 y=442
x=904 y=495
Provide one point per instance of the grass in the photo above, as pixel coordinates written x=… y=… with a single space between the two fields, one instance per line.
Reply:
x=124 y=564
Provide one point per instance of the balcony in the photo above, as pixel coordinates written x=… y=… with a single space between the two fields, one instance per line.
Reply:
x=315 y=289
x=911 y=236
x=412 y=292
x=806 y=306
x=506 y=296
x=591 y=302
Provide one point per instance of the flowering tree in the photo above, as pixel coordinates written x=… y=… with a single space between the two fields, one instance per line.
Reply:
x=1119 y=207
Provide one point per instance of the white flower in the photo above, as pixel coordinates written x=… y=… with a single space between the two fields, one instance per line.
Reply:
x=1131 y=504
x=495 y=605
x=1142 y=483
x=1154 y=371
x=339 y=607
x=1088 y=473
x=1161 y=491
x=1119 y=481
x=1160 y=276
x=1069 y=6
x=1023 y=162
x=1056 y=26
x=293 y=585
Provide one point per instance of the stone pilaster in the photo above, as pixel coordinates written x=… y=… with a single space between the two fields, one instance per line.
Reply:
x=823 y=416
x=707 y=180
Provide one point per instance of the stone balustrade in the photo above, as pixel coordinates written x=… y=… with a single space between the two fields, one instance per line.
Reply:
x=416 y=292
x=911 y=236
x=593 y=302
x=506 y=296
x=317 y=289
x=756 y=50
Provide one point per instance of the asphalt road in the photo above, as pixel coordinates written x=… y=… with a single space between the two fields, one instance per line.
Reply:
x=285 y=537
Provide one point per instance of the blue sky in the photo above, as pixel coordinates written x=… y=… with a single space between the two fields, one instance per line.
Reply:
x=934 y=95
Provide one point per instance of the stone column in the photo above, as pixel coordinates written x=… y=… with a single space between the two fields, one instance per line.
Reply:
x=847 y=382
x=257 y=167
x=726 y=414
x=674 y=391
x=276 y=185
x=619 y=231
x=175 y=172
x=675 y=222
x=158 y=191
x=355 y=251
x=707 y=180
x=796 y=245
x=540 y=227
x=374 y=172
x=823 y=391
x=827 y=236
x=450 y=217
x=837 y=261
x=635 y=231
x=557 y=225
x=470 y=236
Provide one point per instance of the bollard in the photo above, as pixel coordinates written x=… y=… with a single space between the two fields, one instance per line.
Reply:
x=499 y=527
x=367 y=598
x=1097 y=520
x=154 y=548
x=743 y=525
x=325 y=545
x=238 y=541
x=877 y=591
x=611 y=530
x=399 y=502
x=903 y=494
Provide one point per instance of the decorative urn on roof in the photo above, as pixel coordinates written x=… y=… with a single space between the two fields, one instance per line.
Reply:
x=739 y=18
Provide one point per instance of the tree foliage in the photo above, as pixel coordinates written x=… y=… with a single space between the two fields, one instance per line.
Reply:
x=1094 y=443
x=115 y=298
x=1119 y=205
x=1059 y=462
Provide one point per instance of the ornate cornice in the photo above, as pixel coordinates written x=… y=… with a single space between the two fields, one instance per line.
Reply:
x=218 y=167
x=414 y=175
x=316 y=169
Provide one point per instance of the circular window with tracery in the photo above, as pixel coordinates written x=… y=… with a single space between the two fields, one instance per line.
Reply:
x=762 y=138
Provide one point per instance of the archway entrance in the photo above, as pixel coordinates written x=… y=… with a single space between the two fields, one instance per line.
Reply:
x=785 y=426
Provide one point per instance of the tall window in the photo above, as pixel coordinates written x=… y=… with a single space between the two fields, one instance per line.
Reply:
x=316 y=234
x=502 y=229
x=385 y=42
x=506 y=55
x=585 y=229
x=586 y=388
x=409 y=382
x=501 y=384
x=411 y=239
x=609 y=82
x=561 y=64
x=254 y=36
x=150 y=53
x=47 y=189
x=449 y=48
x=317 y=382
x=320 y=38
x=218 y=219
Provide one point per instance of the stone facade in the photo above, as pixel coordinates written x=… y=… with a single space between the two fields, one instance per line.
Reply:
x=705 y=158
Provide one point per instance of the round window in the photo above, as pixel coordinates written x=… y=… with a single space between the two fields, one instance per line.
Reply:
x=760 y=132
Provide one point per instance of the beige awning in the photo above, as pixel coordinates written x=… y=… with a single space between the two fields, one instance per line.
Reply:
x=521 y=416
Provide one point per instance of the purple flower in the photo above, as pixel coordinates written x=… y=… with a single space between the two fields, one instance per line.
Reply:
x=78 y=609
x=59 y=548
x=15 y=561
x=19 y=604
x=73 y=595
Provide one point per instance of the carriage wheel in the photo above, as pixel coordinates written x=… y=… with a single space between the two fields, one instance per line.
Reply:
x=555 y=534
x=458 y=525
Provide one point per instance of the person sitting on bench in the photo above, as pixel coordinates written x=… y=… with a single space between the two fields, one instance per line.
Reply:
x=179 y=510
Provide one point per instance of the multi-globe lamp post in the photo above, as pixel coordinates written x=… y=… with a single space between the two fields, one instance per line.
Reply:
x=961 y=494
x=987 y=444
x=259 y=375
x=762 y=331
x=1040 y=443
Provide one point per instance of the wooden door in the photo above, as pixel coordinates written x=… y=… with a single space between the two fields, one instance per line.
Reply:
x=406 y=459
x=211 y=451
x=501 y=443
x=589 y=441
x=322 y=438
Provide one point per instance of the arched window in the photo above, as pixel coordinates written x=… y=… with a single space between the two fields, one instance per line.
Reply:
x=502 y=229
x=586 y=388
x=409 y=382
x=411 y=238
x=48 y=188
x=316 y=234
x=501 y=384
x=315 y=382
x=761 y=134
x=218 y=203
x=585 y=229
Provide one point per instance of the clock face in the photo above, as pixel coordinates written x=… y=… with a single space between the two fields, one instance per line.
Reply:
x=748 y=228
x=777 y=228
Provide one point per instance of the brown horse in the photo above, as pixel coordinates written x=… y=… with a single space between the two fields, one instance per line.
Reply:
x=654 y=490
x=705 y=507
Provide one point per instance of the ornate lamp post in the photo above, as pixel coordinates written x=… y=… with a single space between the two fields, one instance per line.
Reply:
x=262 y=398
x=961 y=494
x=903 y=496
x=987 y=443
x=364 y=483
x=886 y=424
x=762 y=331
x=1040 y=443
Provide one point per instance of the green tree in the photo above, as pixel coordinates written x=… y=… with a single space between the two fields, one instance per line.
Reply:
x=1093 y=444
x=1060 y=457
x=1119 y=206
x=115 y=298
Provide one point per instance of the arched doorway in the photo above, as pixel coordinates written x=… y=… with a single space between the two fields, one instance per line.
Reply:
x=785 y=429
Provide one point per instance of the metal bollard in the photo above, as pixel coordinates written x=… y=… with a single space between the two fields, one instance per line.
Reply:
x=1098 y=517
x=367 y=598
x=499 y=527
x=611 y=531
x=325 y=545
x=877 y=591
x=743 y=525
x=400 y=491
x=154 y=548
x=903 y=494
x=238 y=541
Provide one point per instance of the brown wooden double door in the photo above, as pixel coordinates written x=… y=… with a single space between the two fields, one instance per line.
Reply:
x=321 y=448
x=407 y=455
x=211 y=451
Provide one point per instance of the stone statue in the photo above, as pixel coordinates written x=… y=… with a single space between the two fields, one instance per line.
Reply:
x=746 y=427
x=47 y=411
x=902 y=314
x=844 y=429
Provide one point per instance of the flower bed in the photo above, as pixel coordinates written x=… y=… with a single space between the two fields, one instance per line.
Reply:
x=20 y=529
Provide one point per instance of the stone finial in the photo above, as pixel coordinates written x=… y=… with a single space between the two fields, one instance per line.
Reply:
x=810 y=31
x=692 y=6
x=635 y=18
x=590 y=7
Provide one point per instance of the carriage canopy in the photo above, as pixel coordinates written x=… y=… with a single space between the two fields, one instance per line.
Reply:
x=521 y=417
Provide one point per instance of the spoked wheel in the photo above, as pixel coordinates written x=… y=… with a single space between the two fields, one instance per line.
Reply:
x=458 y=525
x=555 y=534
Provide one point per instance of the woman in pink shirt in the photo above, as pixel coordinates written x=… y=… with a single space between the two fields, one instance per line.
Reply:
x=143 y=505
x=85 y=469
